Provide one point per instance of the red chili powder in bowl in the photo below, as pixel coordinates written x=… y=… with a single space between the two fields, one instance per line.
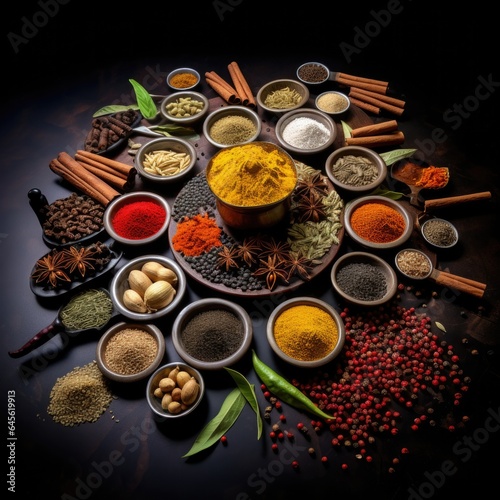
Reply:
x=138 y=220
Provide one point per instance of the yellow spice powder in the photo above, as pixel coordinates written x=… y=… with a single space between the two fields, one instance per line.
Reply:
x=305 y=333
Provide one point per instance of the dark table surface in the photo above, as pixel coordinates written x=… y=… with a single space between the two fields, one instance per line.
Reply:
x=450 y=118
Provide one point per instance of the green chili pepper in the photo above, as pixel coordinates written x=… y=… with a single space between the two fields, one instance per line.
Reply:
x=284 y=390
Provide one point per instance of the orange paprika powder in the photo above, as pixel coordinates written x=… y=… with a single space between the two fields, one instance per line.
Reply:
x=196 y=235
x=377 y=222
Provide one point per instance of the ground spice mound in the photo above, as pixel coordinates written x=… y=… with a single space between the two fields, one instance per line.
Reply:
x=80 y=396
x=197 y=235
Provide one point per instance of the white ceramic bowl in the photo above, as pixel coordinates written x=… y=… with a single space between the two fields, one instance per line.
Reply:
x=303 y=132
x=179 y=100
x=168 y=144
x=447 y=229
x=313 y=302
x=120 y=283
x=322 y=103
x=223 y=113
x=114 y=374
x=178 y=71
x=279 y=85
x=201 y=306
x=362 y=290
x=350 y=179
x=128 y=199
x=353 y=205
x=162 y=372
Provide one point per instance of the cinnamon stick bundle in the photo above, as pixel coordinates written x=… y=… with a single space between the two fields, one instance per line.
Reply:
x=226 y=91
x=384 y=98
x=241 y=85
x=353 y=94
x=379 y=89
x=118 y=166
x=373 y=141
x=364 y=105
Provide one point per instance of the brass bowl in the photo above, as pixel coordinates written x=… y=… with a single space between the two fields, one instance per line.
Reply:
x=254 y=216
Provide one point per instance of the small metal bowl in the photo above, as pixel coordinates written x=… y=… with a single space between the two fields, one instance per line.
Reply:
x=181 y=97
x=313 y=302
x=203 y=305
x=255 y=216
x=119 y=284
x=319 y=68
x=356 y=151
x=445 y=229
x=127 y=199
x=179 y=71
x=378 y=264
x=321 y=103
x=311 y=114
x=174 y=144
x=112 y=374
x=225 y=112
x=358 y=202
x=163 y=372
x=278 y=85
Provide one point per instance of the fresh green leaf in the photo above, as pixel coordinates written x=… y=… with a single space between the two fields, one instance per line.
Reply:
x=220 y=424
x=382 y=191
x=169 y=129
x=146 y=104
x=395 y=155
x=248 y=390
x=440 y=326
x=347 y=129
x=113 y=108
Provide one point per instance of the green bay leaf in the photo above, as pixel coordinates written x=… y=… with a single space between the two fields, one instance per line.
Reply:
x=220 y=424
x=144 y=100
x=395 y=155
x=248 y=390
x=113 y=108
x=346 y=128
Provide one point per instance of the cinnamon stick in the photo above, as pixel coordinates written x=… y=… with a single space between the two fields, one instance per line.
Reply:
x=109 y=177
x=376 y=102
x=99 y=166
x=62 y=171
x=123 y=168
x=364 y=105
x=379 y=89
x=87 y=177
x=241 y=85
x=385 y=98
x=226 y=91
x=375 y=129
x=373 y=141
x=362 y=79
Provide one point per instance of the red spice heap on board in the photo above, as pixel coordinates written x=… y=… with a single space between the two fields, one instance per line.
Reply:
x=196 y=235
x=138 y=220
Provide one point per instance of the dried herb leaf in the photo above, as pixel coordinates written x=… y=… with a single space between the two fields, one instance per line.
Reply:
x=220 y=424
x=170 y=129
x=146 y=104
x=346 y=128
x=382 y=191
x=395 y=155
x=248 y=390
x=113 y=108
x=440 y=326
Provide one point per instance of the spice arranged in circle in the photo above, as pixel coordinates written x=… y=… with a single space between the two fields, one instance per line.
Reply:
x=439 y=232
x=212 y=335
x=305 y=333
x=232 y=129
x=355 y=170
x=362 y=281
x=313 y=73
x=138 y=220
x=332 y=102
x=413 y=263
x=91 y=308
x=183 y=80
x=282 y=98
x=377 y=222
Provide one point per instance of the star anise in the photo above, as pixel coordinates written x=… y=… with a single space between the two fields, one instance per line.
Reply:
x=228 y=256
x=80 y=260
x=273 y=270
x=273 y=248
x=311 y=208
x=50 y=269
x=249 y=249
x=316 y=183
x=299 y=265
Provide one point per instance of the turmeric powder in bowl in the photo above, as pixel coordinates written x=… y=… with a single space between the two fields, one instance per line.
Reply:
x=306 y=332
